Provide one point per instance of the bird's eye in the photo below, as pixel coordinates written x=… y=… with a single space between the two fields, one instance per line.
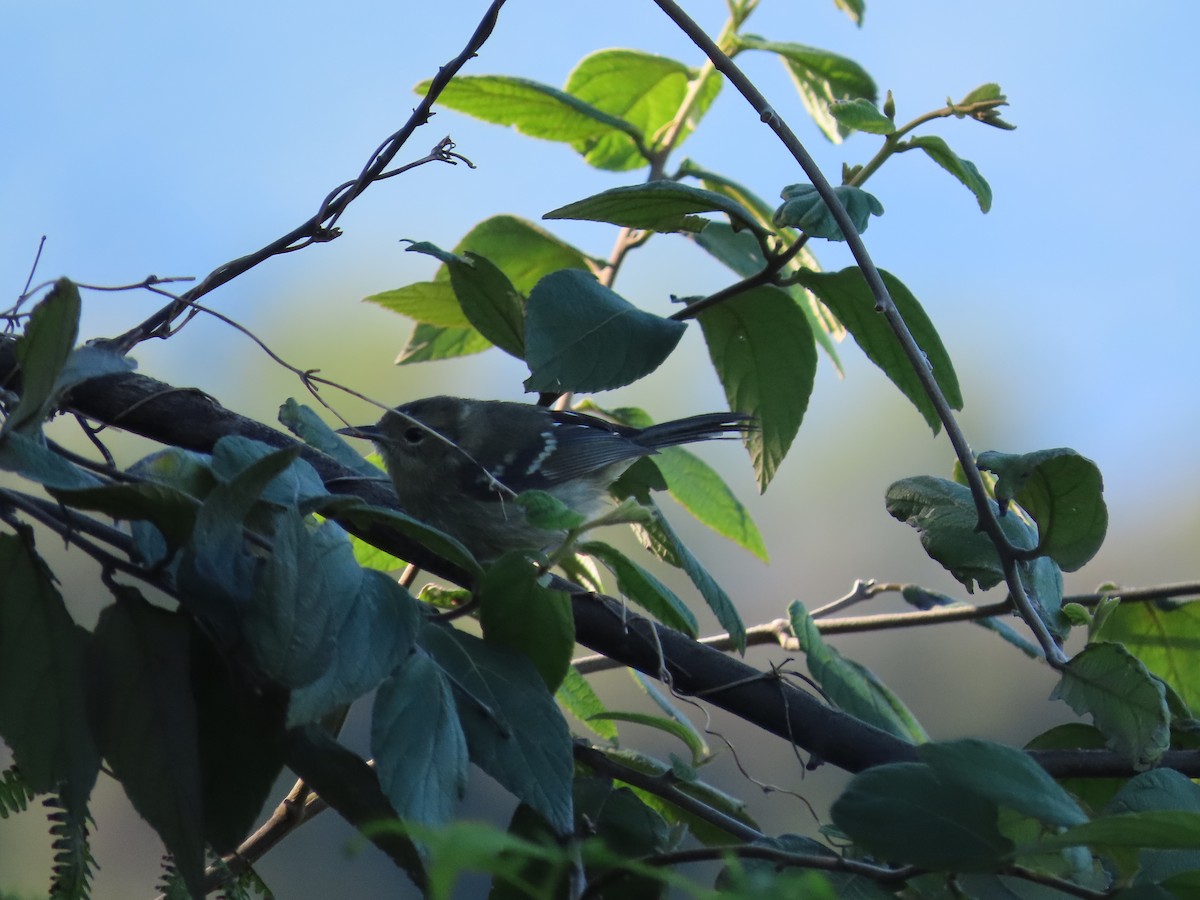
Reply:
x=414 y=435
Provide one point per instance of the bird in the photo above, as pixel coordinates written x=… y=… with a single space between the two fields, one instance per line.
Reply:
x=458 y=464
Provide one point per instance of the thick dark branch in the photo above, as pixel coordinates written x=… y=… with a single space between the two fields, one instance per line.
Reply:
x=190 y=419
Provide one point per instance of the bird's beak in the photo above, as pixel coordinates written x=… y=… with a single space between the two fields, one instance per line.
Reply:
x=366 y=432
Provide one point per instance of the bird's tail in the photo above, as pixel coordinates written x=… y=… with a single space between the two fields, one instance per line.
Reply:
x=707 y=427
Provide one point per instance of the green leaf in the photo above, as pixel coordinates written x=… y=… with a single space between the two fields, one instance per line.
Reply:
x=432 y=342
x=761 y=346
x=705 y=793
x=296 y=484
x=534 y=109
x=698 y=488
x=629 y=829
x=182 y=470
x=847 y=295
x=944 y=514
x=523 y=251
x=1167 y=829
x=42 y=352
x=644 y=90
x=664 y=206
x=660 y=538
x=88 y=362
x=860 y=115
x=663 y=702
x=303 y=592
x=1124 y=700
x=1095 y=792
x=145 y=722
x=853 y=8
x=1043 y=582
x=240 y=727
x=170 y=510
x=32 y=459
x=579 y=699
x=544 y=510
x=739 y=194
x=303 y=422
x=804 y=208
x=989 y=91
x=215 y=574
x=431 y=302
x=419 y=747
x=741 y=252
x=374 y=634
x=985 y=92
x=43 y=714
x=1160 y=789
x=514 y=730
x=821 y=77
x=518 y=612
x=904 y=812
x=488 y=299
x=850 y=686
x=1164 y=639
x=1063 y=492
x=445 y=546
x=670 y=726
x=638 y=585
x=1004 y=775
x=962 y=169
x=573 y=327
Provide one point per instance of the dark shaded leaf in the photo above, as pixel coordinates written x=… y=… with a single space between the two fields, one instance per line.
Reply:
x=1164 y=639
x=849 y=685
x=302 y=593
x=43 y=718
x=1063 y=492
x=517 y=612
x=488 y=299
x=375 y=634
x=145 y=721
x=665 y=206
x=581 y=336
x=240 y=728
x=42 y=352
x=903 y=812
x=638 y=585
x=944 y=514
x=761 y=346
x=419 y=747
x=1004 y=775
x=1124 y=700
x=514 y=729
x=804 y=209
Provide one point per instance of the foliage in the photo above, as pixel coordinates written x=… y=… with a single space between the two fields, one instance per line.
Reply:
x=241 y=622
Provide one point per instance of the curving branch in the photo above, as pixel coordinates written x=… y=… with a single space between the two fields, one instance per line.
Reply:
x=988 y=521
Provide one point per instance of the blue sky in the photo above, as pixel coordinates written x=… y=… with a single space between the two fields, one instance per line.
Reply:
x=170 y=138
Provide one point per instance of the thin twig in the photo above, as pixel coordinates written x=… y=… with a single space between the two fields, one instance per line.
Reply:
x=321 y=226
